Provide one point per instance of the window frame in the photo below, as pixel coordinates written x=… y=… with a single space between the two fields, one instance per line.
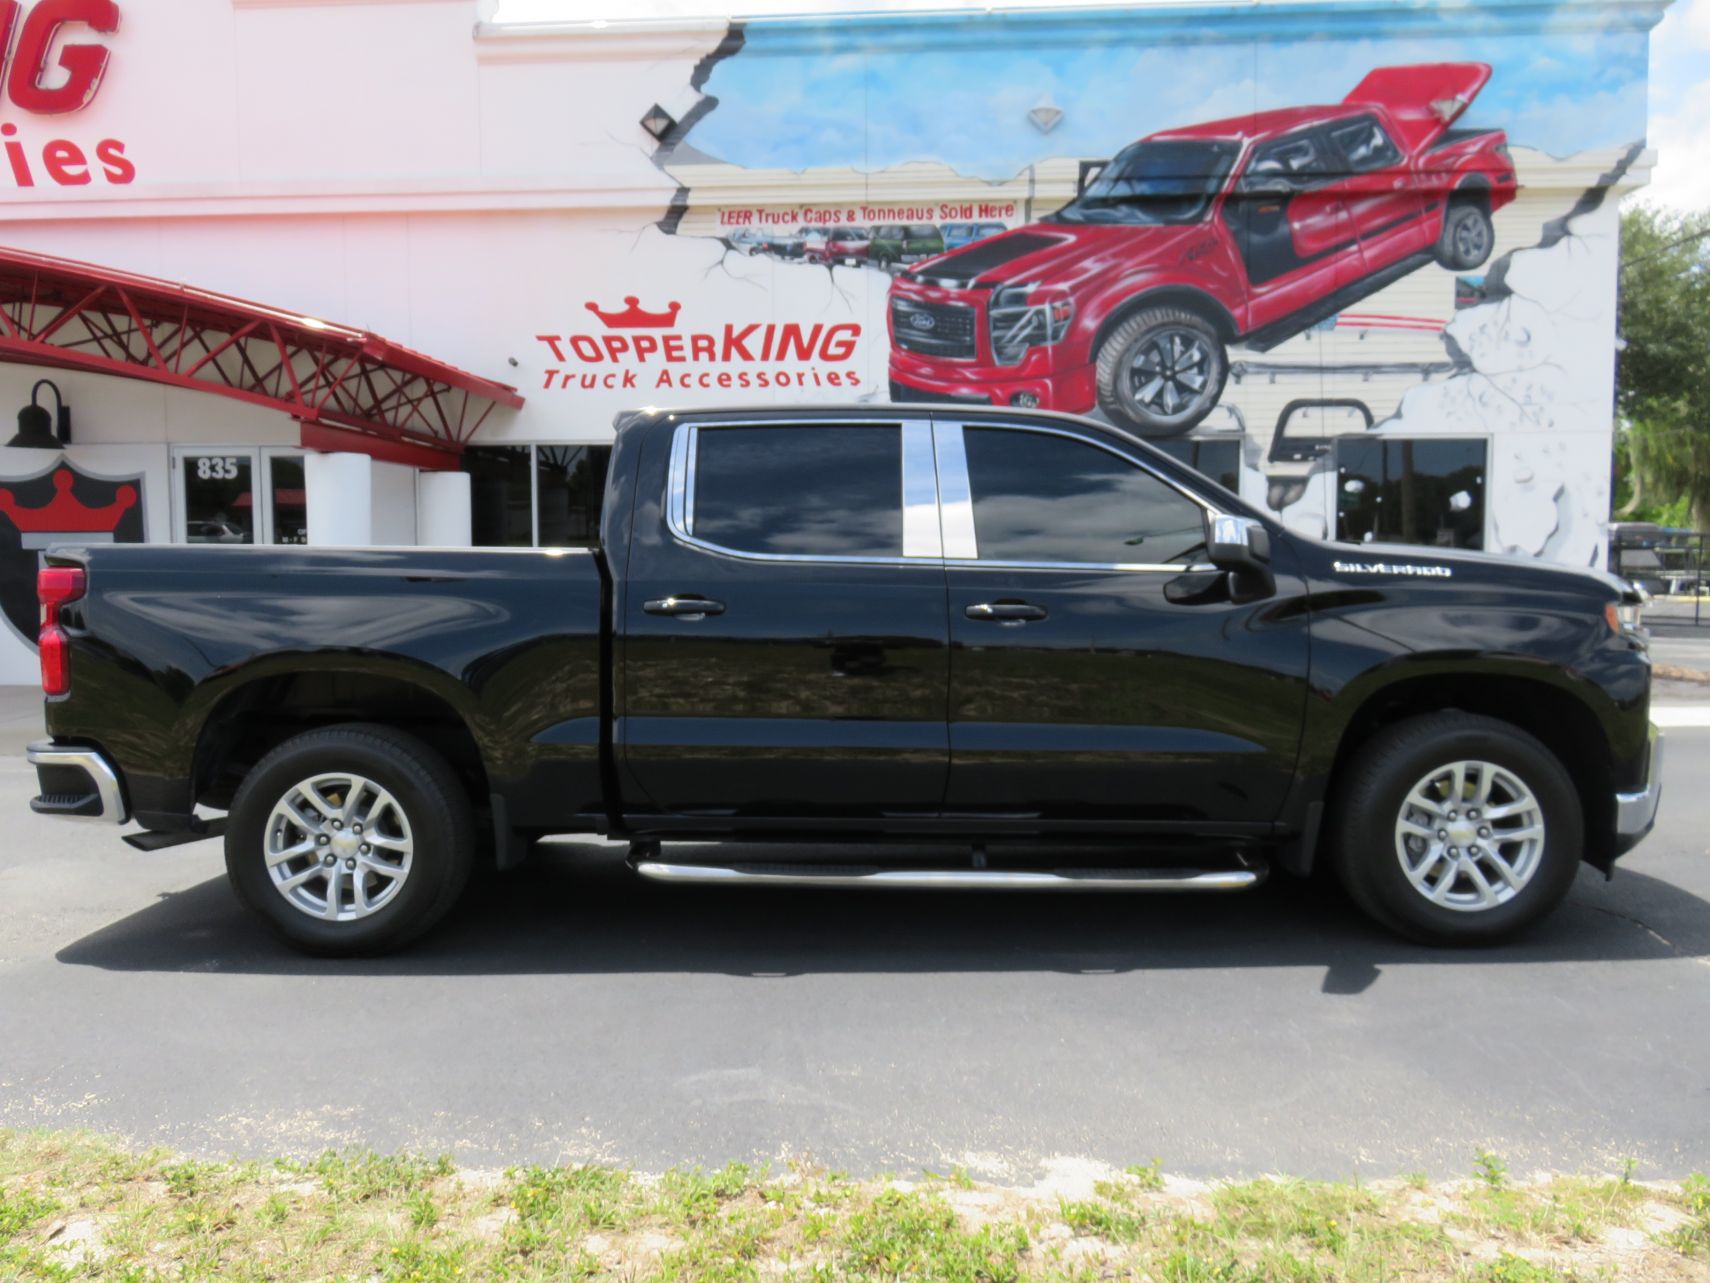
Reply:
x=920 y=538
x=938 y=513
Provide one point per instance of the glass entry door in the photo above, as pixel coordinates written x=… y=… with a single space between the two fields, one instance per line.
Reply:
x=239 y=496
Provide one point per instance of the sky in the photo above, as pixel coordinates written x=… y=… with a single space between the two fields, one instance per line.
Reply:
x=1559 y=92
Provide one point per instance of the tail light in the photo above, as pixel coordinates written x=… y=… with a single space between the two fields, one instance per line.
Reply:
x=56 y=586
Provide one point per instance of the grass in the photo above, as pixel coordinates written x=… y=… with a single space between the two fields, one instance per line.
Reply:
x=78 y=1208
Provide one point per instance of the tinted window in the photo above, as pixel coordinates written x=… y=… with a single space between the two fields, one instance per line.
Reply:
x=1153 y=182
x=1365 y=145
x=571 y=484
x=1401 y=490
x=501 y=496
x=1049 y=498
x=809 y=491
x=1299 y=161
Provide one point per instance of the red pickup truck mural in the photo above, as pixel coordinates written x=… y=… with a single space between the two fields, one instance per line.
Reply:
x=1246 y=231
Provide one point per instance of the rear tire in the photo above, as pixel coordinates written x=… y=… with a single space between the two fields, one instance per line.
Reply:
x=1160 y=372
x=1467 y=237
x=1435 y=808
x=350 y=841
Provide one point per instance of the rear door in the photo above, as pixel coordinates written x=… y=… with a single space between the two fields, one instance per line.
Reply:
x=1099 y=670
x=1384 y=193
x=784 y=641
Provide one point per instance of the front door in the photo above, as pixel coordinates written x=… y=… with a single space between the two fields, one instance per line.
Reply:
x=1098 y=669
x=784 y=645
x=239 y=495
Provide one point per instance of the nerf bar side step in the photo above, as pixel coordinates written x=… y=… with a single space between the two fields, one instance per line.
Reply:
x=797 y=875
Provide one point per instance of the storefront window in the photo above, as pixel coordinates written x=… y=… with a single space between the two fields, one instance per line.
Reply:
x=1426 y=490
x=219 y=498
x=572 y=482
x=536 y=496
x=1219 y=460
x=502 y=495
x=290 y=499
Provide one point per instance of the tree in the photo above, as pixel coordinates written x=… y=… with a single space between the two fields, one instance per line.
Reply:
x=1663 y=379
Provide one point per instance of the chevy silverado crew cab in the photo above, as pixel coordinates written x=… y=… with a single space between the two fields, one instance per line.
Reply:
x=985 y=631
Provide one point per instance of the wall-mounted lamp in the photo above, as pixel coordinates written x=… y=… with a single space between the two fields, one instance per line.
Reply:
x=658 y=122
x=36 y=425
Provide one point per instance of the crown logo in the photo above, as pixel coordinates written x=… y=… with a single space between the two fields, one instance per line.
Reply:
x=633 y=318
x=65 y=513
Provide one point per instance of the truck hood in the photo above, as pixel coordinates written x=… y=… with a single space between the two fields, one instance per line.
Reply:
x=1377 y=561
x=1057 y=252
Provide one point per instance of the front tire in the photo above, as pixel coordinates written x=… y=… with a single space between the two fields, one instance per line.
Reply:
x=352 y=840
x=1161 y=371
x=1456 y=829
x=1467 y=237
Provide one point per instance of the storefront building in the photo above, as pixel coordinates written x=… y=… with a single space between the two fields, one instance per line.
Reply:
x=341 y=271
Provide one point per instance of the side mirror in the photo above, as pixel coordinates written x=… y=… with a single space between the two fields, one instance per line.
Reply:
x=1267 y=188
x=1241 y=546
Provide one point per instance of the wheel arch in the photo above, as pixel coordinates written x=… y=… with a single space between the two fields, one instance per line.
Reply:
x=1186 y=297
x=1554 y=715
x=1473 y=189
x=251 y=717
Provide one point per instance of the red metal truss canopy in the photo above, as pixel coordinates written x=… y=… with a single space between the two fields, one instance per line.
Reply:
x=349 y=388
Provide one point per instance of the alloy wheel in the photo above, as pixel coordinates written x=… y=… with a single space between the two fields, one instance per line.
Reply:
x=338 y=847
x=1471 y=237
x=1470 y=836
x=1169 y=373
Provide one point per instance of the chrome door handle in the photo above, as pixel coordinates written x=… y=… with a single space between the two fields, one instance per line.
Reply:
x=1005 y=612
x=690 y=608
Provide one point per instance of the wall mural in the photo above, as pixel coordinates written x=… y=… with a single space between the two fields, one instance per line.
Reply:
x=62 y=504
x=1144 y=216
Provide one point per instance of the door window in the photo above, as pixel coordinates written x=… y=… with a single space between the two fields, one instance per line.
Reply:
x=1420 y=491
x=219 y=497
x=1365 y=145
x=1298 y=160
x=1051 y=499
x=831 y=491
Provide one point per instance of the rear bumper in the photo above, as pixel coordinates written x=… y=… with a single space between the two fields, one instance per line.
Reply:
x=76 y=784
x=1636 y=813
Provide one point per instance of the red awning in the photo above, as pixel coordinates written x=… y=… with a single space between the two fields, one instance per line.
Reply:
x=350 y=389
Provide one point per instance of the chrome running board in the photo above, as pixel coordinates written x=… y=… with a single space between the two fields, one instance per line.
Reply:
x=798 y=875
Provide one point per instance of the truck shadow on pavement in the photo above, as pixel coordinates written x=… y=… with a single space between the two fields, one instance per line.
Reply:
x=577 y=910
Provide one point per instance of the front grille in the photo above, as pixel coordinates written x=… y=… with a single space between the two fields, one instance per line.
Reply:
x=933 y=329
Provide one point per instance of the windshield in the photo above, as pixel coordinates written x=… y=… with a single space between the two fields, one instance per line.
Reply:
x=1153 y=182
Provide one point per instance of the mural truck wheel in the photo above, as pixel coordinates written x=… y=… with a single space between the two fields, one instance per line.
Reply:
x=1467 y=237
x=1161 y=371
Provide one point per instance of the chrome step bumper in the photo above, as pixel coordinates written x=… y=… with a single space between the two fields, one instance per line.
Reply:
x=797 y=875
x=76 y=784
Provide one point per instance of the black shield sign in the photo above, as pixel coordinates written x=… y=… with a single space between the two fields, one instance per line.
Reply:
x=66 y=505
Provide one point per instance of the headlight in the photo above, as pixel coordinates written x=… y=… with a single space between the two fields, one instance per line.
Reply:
x=1020 y=320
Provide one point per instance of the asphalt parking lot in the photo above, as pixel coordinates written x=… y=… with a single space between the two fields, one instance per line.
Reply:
x=572 y=1013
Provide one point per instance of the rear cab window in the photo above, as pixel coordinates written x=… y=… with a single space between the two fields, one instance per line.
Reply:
x=813 y=491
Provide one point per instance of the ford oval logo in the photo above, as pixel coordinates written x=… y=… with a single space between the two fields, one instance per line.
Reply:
x=923 y=320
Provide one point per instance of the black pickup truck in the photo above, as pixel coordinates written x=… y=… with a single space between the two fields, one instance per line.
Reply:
x=992 y=633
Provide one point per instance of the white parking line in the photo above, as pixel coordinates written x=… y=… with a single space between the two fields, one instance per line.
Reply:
x=1678 y=715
